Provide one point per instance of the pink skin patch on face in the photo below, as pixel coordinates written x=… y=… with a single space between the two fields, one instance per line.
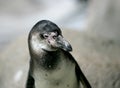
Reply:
x=51 y=39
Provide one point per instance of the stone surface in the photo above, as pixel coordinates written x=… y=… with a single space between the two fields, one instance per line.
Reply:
x=98 y=58
x=103 y=18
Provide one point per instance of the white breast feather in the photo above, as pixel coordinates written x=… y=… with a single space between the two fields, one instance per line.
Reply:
x=63 y=77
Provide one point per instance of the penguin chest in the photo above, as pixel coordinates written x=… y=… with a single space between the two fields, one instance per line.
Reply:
x=62 y=77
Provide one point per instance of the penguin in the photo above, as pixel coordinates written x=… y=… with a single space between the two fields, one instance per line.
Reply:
x=51 y=64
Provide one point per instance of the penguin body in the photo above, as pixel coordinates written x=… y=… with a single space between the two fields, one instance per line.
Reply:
x=51 y=64
x=60 y=75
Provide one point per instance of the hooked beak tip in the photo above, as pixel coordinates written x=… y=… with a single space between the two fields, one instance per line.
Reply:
x=68 y=48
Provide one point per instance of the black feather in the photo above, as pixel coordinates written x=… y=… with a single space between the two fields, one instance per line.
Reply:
x=30 y=82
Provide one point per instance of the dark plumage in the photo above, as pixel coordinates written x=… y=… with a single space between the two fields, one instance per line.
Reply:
x=51 y=64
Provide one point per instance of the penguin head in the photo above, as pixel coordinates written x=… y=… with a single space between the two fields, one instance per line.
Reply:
x=47 y=36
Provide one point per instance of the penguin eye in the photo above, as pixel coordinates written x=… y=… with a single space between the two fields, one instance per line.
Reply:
x=55 y=36
x=45 y=36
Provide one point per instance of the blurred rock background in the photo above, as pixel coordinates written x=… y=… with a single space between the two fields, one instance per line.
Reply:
x=91 y=26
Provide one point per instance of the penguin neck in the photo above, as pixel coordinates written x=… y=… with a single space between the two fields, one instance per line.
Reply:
x=47 y=60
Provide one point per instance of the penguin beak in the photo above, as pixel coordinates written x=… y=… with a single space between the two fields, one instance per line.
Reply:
x=61 y=43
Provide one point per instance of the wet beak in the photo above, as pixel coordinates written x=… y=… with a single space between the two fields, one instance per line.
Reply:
x=62 y=44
